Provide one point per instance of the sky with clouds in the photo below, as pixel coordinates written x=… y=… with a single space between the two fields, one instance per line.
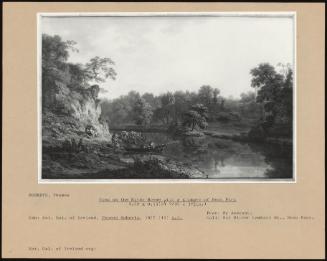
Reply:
x=159 y=54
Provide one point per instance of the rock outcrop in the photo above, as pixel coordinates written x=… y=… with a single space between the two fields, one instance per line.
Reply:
x=70 y=112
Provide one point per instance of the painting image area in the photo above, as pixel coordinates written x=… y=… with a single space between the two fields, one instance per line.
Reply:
x=171 y=96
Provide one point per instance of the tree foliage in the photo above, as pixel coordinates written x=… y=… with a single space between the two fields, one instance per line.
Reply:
x=142 y=112
x=55 y=53
x=99 y=69
x=55 y=65
x=165 y=112
x=275 y=93
x=196 y=116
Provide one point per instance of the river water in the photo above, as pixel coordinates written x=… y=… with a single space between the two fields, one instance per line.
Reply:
x=226 y=159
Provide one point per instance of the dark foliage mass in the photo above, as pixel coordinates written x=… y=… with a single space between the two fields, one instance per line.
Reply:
x=55 y=53
x=178 y=108
x=275 y=95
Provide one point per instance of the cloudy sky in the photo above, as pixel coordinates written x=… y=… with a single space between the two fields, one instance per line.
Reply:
x=159 y=54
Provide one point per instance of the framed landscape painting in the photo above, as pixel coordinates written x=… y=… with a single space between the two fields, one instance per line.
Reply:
x=179 y=130
x=157 y=96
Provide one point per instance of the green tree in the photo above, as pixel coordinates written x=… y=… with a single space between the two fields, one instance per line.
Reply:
x=285 y=97
x=77 y=76
x=166 y=111
x=181 y=105
x=275 y=94
x=206 y=95
x=99 y=69
x=55 y=53
x=152 y=100
x=248 y=97
x=196 y=116
x=142 y=112
x=266 y=81
x=120 y=111
x=248 y=105
x=216 y=93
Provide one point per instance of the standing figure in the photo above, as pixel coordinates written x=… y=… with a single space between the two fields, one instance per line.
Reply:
x=115 y=141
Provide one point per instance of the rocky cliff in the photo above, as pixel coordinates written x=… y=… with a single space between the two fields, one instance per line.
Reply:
x=69 y=112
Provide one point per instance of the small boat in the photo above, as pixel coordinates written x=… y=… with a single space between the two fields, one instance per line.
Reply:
x=156 y=148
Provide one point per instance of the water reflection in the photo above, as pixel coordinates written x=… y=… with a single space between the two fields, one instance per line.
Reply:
x=219 y=158
x=280 y=158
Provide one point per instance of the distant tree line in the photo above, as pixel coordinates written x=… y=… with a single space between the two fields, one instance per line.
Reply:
x=270 y=104
x=193 y=109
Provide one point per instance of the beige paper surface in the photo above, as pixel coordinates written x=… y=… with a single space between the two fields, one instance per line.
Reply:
x=299 y=235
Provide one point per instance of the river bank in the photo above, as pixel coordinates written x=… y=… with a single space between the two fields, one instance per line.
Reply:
x=195 y=154
x=99 y=160
x=243 y=137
